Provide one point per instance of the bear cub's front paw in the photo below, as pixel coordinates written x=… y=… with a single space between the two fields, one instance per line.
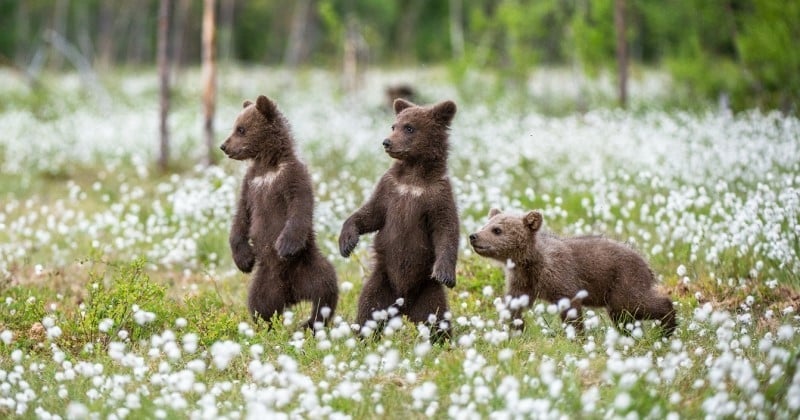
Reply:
x=286 y=246
x=244 y=258
x=348 y=239
x=446 y=277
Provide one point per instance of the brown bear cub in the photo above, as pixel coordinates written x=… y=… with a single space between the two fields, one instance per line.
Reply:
x=541 y=265
x=273 y=221
x=414 y=212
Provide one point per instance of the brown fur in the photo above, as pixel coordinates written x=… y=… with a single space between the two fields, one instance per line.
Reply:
x=273 y=223
x=545 y=266
x=414 y=212
x=402 y=91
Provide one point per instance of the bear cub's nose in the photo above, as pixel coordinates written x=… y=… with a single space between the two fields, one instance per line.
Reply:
x=386 y=143
x=473 y=237
x=222 y=147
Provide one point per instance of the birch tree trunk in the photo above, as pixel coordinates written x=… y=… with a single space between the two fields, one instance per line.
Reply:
x=209 y=76
x=163 y=73
x=622 y=52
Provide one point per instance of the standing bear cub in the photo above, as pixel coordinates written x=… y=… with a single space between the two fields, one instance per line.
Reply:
x=273 y=223
x=541 y=265
x=414 y=213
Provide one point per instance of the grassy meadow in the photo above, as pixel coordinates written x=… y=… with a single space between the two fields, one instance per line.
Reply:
x=119 y=298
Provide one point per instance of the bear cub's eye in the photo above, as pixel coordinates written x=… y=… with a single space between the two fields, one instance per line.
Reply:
x=240 y=130
x=409 y=129
x=497 y=231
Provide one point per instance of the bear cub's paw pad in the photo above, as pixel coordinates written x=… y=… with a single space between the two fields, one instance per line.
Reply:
x=348 y=240
x=244 y=258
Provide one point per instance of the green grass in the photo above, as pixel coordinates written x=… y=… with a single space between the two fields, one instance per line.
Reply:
x=84 y=246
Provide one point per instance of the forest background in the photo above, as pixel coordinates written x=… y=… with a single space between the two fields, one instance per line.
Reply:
x=740 y=52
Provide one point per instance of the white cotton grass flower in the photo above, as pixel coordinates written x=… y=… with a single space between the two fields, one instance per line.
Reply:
x=681 y=270
x=76 y=410
x=105 y=325
x=7 y=337
x=622 y=401
x=426 y=391
x=564 y=304
x=421 y=349
x=785 y=333
x=143 y=317
x=222 y=352
x=505 y=355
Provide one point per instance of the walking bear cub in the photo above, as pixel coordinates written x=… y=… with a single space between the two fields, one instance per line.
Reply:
x=541 y=265
x=273 y=223
x=414 y=213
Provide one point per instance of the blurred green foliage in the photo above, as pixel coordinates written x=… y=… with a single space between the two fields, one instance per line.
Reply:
x=740 y=50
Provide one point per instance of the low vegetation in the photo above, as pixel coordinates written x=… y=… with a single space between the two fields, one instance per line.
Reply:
x=120 y=299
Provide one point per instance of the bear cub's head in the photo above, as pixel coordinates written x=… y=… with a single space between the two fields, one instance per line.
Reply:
x=506 y=236
x=260 y=131
x=419 y=133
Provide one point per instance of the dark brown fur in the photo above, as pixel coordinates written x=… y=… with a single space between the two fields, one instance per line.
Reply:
x=545 y=266
x=273 y=223
x=414 y=212
x=402 y=91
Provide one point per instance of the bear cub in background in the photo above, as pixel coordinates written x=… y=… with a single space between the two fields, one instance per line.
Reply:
x=273 y=226
x=414 y=212
x=541 y=265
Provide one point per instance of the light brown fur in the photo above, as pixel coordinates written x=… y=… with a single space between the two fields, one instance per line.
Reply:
x=552 y=268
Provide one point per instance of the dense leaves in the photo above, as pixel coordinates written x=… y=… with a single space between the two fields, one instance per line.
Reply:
x=738 y=50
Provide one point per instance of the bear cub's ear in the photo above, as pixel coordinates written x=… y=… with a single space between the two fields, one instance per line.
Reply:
x=401 y=104
x=246 y=104
x=532 y=220
x=494 y=212
x=266 y=107
x=444 y=112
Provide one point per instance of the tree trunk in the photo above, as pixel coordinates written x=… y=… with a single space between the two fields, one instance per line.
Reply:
x=22 y=45
x=226 y=29
x=137 y=35
x=209 y=75
x=406 y=30
x=622 y=52
x=163 y=73
x=456 y=28
x=178 y=32
x=105 y=34
x=297 y=46
x=354 y=55
x=59 y=26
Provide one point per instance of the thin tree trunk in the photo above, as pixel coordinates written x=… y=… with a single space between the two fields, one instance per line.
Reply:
x=622 y=52
x=456 y=28
x=23 y=48
x=59 y=26
x=209 y=75
x=178 y=32
x=296 y=48
x=163 y=73
x=353 y=55
x=105 y=35
x=406 y=30
x=226 y=19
